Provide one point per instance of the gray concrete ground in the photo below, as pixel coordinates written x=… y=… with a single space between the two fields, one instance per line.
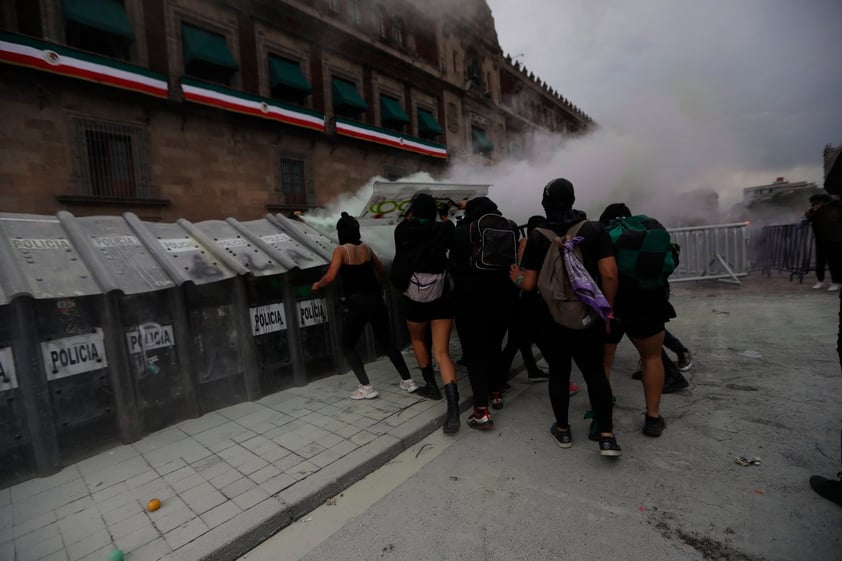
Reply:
x=766 y=383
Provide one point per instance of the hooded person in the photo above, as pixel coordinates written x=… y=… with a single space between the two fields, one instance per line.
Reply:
x=361 y=272
x=419 y=271
x=485 y=305
x=561 y=345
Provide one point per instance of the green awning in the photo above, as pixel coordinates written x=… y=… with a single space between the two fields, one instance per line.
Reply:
x=287 y=73
x=207 y=47
x=106 y=15
x=481 y=142
x=391 y=111
x=345 y=96
x=427 y=124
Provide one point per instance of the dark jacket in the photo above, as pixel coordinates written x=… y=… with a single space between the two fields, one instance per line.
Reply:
x=826 y=221
x=420 y=247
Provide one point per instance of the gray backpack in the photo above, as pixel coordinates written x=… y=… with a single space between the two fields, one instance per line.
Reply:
x=554 y=283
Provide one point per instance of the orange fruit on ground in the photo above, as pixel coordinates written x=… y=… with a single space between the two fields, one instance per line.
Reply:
x=153 y=505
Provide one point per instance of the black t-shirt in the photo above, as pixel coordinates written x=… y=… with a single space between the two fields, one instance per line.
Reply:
x=596 y=244
x=427 y=243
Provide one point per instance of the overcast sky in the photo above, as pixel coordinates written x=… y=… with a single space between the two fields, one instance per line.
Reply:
x=718 y=94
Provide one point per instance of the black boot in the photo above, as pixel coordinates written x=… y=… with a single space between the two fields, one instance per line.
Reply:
x=451 y=420
x=429 y=390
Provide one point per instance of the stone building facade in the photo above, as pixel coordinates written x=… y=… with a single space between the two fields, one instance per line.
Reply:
x=204 y=109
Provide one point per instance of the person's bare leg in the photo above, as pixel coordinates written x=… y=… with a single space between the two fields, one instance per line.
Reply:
x=653 y=371
x=441 y=349
x=417 y=338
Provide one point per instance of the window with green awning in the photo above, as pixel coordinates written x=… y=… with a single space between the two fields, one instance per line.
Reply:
x=346 y=99
x=206 y=55
x=480 y=142
x=392 y=114
x=98 y=26
x=427 y=125
x=103 y=15
x=287 y=74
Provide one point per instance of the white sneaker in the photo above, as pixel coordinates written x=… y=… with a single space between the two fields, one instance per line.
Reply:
x=409 y=385
x=834 y=287
x=818 y=285
x=364 y=392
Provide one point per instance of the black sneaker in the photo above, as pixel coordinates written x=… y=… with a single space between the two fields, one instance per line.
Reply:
x=561 y=436
x=608 y=446
x=685 y=361
x=654 y=427
x=830 y=489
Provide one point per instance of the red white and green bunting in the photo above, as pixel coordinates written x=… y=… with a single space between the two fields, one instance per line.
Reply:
x=24 y=51
x=222 y=98
x=389 y=138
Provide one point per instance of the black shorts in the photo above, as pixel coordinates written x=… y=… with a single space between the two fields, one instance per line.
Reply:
x=637 y=328
x=422 y=312
x=640 y=315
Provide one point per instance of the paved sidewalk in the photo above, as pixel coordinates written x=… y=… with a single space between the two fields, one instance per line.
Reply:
x=226 y=480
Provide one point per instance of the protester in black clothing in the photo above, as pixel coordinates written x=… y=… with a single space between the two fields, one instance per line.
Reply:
x=485 y=302
x=419 y=271
x=825 y=218
x=520 y=329
x=558 y=344
x=361 y=273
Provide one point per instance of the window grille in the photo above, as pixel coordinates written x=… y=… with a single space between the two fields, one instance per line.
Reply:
x=293 y=186
x=110 y=159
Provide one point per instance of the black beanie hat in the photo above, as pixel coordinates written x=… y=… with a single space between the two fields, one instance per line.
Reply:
x=615 y=210
x=423 y=206
x=348 y=229
x=535 y=222
x=558 y=194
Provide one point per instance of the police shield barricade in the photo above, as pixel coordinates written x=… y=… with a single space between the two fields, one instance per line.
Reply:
x=316 y=315
x=268 y=299
x=148 y=316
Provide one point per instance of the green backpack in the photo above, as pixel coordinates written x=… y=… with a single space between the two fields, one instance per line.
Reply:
x=644 y=252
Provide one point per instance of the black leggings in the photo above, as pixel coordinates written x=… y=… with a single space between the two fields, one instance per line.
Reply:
x=362 y=309
x=560 y=346
x=520 y=336
x=483 y=319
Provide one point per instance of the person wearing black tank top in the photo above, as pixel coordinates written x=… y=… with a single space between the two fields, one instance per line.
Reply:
x=361 y=271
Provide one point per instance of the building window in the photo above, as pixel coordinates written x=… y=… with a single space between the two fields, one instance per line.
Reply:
x=293 y=184
x=347 y=101
x=287 y=80
x=428 y=127
x=380 y=21
x=480 y=142
x=392 y=115
x=110 y=159
x=206 y=55
x=355 y=12
x=398 y=31
x=98 y=26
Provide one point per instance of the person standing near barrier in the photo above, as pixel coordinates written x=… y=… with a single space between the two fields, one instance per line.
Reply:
x=419 y=270
x=642 y=305
x=561 y=345
x=825 y=217
x=485 y=305
x=361 y=273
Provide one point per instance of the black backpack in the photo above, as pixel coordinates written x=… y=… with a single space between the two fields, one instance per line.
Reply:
x=494 y=243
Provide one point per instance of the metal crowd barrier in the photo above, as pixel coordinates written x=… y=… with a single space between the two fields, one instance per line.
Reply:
x=717 y=252
x=786 y=248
